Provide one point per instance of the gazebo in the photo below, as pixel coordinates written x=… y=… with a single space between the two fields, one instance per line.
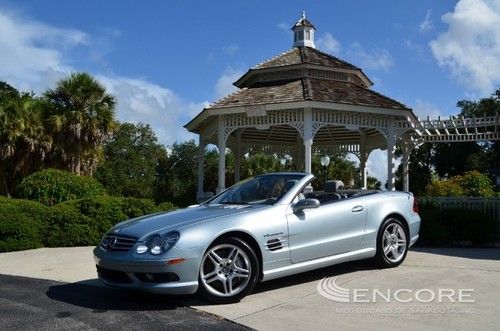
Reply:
x=304 y=101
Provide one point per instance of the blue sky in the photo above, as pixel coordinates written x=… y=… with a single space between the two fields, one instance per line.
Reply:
x=165 y=60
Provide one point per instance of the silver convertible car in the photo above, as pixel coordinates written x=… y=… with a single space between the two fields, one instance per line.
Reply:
x=262 y=228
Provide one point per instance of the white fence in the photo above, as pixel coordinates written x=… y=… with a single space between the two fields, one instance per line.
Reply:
x=489 y=206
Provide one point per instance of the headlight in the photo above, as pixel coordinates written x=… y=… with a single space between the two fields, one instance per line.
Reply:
x=157 y=244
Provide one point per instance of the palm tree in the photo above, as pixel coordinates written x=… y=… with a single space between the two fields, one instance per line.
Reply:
x=82 y=118
x=23 y=139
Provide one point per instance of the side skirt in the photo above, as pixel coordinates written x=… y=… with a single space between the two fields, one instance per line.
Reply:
x=292 y=269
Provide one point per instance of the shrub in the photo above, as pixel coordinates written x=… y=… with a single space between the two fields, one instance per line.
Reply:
x=52 y=186
x=476 y=184
x=445 y=227
x=135 y=207
x=471 y=184
x=166 y=206
x=432 y=231
x=29 y=224
x=22 y=224
x=83 y=221
x=444 y=188
x=66 y=226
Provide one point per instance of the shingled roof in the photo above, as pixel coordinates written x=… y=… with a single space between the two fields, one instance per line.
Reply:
x=305 y=55
x=308 y=89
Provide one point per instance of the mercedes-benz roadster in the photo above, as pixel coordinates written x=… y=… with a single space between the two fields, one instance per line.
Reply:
x=262 y=228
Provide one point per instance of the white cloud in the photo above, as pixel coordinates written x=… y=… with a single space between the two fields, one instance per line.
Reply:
x=224 y=85
x=470 y=48
x=426 y=24
x=377 y=58
x=230 y=49
x=34 y=56
x=142 y=101
x=423 y=109
x=328 y=43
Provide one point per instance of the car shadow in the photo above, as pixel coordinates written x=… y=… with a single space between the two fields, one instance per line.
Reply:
x=90 y=294
x=464 y=252
x=93 y=295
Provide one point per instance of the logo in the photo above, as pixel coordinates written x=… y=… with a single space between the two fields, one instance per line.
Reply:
x=328 y=288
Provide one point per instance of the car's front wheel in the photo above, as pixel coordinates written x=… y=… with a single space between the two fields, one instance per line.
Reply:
x=229 y=271
x=392 y=243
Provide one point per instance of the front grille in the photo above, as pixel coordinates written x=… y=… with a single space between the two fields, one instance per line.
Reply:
x=163 y=277
x=113 y=276
x=117 y=243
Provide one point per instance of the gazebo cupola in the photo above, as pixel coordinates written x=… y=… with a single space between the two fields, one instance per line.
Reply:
x=303 y=33
x=301 y=102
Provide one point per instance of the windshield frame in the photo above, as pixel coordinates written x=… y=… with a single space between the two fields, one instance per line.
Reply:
x=291 y=176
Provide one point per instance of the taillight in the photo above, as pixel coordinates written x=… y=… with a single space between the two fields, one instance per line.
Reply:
x=415 y=205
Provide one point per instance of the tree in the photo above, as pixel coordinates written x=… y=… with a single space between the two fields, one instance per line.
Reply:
x=24 y=142
x=131 y=158
x=177 y=175
x=373 y=183
x=81 y=117
x=456 y=158
x=340 y=168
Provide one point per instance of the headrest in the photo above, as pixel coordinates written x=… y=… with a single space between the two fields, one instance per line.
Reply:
x=334 y=185
x=290 y=183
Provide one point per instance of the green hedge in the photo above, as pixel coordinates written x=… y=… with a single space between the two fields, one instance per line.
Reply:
x=445 y=227
x=22 y=224
x=30 y=224
x=52 y=186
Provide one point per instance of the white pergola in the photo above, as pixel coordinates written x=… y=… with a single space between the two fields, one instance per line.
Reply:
x=304 y=101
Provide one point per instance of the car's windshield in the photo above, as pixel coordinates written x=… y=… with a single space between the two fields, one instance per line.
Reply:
x=265 y=189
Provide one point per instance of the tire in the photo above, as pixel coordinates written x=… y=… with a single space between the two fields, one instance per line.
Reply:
x=229 y=270
x=392 y=243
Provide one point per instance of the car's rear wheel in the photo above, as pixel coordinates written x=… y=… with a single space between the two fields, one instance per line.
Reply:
x=392 y=243
x=229 y=271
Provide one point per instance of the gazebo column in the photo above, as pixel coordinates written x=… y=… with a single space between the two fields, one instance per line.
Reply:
x=200 y=195
x=390 y=136
x=308 y=140
x=363 y=157
x=362 y=170
x=237 y=157
x=406 y=177
x=221 y=144
x=406 y=147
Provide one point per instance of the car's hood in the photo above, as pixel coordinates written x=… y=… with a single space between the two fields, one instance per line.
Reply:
x=163 y=222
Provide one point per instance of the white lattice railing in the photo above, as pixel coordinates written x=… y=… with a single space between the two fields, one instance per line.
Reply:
x=460 y=129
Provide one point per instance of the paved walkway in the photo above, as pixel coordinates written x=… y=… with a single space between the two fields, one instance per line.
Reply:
x=293 y=303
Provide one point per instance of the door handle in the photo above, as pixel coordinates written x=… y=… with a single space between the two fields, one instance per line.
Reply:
x=357 y=209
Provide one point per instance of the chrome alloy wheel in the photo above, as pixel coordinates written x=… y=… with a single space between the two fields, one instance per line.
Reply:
x=394 y=242
x=225 y=270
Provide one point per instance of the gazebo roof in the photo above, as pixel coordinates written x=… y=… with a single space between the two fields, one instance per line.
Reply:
x=303 y=74
x=308 y=89
x=303 y=55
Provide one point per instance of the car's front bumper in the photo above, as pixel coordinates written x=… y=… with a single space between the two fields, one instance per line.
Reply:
x=123 y=269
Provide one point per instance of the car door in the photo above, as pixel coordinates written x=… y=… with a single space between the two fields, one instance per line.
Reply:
x=330 y=229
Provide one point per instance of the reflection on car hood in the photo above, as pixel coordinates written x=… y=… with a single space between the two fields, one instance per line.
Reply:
x=162 y=222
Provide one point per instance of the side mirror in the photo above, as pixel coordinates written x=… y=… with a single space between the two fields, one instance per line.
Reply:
x=306 y=204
